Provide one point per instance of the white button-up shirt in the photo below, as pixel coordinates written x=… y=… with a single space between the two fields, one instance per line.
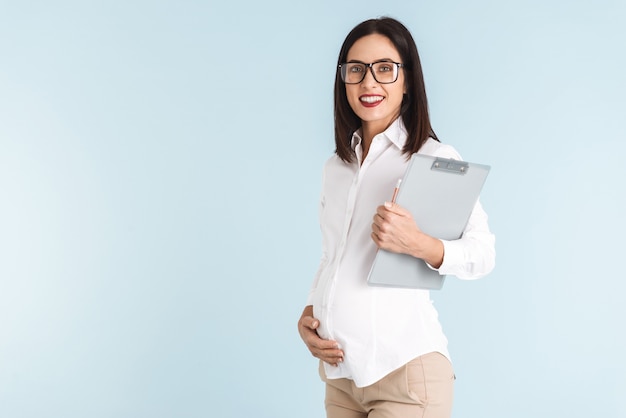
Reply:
x=379 y=328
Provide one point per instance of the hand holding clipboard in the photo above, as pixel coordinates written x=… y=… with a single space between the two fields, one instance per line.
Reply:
x=440 y=194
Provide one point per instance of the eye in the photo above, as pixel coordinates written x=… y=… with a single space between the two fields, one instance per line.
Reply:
x=385 y=67
x=356 y=68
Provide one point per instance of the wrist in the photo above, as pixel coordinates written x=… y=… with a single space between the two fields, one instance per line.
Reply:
x=429 y=249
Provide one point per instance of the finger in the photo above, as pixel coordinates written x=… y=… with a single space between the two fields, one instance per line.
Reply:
x=395 y=208
x=376 y=240
x=333 y=357
x=385 y=216
x=333 y=361
x=382 y=228
x=326 y=350
x=381 y=212
x=310 y=322
x=329 y=353
x=378 y=225
x=315 y=342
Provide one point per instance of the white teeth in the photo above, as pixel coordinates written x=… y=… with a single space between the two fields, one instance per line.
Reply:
x=371 y=99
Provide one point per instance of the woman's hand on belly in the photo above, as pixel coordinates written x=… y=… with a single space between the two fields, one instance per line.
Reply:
x=325 y=350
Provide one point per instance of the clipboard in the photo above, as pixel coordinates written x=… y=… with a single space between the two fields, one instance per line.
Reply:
x=440 y=193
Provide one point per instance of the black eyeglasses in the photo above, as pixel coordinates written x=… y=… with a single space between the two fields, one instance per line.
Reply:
x=384 y=72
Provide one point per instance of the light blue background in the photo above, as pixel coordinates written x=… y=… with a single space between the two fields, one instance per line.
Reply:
x=159 y=174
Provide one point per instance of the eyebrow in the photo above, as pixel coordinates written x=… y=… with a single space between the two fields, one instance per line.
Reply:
x=375 y=61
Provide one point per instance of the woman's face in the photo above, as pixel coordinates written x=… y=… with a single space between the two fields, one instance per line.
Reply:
x=377 y=105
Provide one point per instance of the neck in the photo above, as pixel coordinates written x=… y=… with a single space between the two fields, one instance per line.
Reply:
x=369 y=130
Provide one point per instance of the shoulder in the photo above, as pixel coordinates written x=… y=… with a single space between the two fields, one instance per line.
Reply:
x=437 y=149
x=332 y=162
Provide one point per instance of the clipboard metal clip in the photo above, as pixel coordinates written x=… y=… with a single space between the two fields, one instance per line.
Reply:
x=450 y=166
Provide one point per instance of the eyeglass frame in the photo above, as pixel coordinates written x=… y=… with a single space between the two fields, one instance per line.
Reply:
x=371 y=68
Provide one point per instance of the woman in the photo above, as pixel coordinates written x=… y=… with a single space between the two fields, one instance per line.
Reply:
x=382 y=350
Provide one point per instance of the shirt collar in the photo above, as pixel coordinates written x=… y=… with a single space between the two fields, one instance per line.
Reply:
x=396 y=133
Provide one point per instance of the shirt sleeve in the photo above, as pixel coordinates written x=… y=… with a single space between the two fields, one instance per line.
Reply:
x=473 y=255
x=324 y=258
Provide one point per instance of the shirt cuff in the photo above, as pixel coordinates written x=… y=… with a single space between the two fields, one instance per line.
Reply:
x=453 y=255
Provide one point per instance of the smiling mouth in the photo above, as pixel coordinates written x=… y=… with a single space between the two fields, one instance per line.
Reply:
x=371 y=99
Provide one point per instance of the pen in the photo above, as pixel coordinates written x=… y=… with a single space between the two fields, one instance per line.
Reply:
x=395 y=191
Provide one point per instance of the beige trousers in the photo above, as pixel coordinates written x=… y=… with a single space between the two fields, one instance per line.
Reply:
x=422 y=388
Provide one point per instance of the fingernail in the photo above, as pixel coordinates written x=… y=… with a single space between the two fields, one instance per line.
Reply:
x=388 y=205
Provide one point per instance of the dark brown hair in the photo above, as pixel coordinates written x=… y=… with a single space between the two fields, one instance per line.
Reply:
x=414 y=108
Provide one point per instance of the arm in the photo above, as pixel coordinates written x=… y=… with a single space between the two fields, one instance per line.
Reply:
x=472 y=256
